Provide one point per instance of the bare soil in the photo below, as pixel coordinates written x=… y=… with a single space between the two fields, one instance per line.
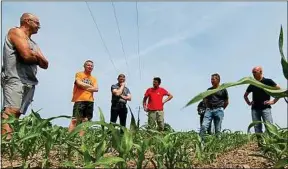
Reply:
x=240 y=158
x=237 y=158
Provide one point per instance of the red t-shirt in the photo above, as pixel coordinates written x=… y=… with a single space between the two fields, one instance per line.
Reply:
x=155 y=98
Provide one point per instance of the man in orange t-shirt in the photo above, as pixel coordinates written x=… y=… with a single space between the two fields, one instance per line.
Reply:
x=84 y=87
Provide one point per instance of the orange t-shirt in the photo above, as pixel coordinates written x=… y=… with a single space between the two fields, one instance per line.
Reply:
x=80 y=94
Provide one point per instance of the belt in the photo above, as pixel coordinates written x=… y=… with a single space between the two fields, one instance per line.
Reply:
x=213 y=107
x=118 y=104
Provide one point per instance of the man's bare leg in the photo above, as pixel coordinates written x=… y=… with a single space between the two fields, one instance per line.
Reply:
x=6 y=127
x=82 y=132
x=72 y=125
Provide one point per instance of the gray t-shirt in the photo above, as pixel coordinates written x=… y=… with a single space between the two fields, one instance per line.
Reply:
x=118 y=99
x=14 y=68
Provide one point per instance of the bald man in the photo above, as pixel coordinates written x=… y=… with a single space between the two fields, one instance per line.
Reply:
x=261 y=103
x=21 y=56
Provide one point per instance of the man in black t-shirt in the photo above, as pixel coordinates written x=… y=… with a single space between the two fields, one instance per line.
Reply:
x=261 y=103
x=120 y=95
x=215 y=103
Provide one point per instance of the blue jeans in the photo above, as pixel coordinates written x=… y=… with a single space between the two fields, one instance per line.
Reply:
x=216 y=115
x=265 y=114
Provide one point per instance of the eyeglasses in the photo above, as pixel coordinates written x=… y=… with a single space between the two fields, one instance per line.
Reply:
x=37 y=22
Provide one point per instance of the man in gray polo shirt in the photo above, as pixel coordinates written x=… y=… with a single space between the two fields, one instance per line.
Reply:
x=21 y=56
x=120 y=95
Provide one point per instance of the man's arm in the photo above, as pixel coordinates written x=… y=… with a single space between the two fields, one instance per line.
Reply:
x=119 y=91
x=226 y=102
x=94 y=88
x=226 y=97
x=128 y=97
x=42 y=61
x=246 y=94
x=170 y=96
x=275 y=100
x=81 y=84
x=19 y=40
x=145 y=102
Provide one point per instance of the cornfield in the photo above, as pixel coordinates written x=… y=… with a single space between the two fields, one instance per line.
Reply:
x=38 y=143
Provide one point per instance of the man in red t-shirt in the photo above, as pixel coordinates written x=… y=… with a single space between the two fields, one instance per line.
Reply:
x=155 y=105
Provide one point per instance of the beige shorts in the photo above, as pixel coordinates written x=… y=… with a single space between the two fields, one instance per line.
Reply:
x=17 y=95
x=156 y=117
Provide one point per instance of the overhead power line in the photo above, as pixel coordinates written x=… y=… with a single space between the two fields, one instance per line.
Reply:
x=138 y=44
x=99 y=32
x=115 y=15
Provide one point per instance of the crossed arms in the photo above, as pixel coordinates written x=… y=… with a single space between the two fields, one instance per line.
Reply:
x=85 y=86
x=19 y=39
x=119 y=91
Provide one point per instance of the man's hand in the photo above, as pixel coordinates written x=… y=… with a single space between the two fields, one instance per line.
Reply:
x=83 y=85
x=250 y=103
x=128 y=97
x=145 y=108
x=144 y=103
x=92 y=89
x=42 y=61
x=124 y=97
x=170 y=96
x=269 y=102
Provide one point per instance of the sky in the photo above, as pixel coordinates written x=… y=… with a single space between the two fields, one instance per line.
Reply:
x=181 y=42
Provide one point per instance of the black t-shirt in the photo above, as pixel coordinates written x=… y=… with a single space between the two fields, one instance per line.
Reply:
x=217 y=99
x=259 y=96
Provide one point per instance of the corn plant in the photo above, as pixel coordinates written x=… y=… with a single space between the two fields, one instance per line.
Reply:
x=274 y=144
x=26 y=135
x=171 y=150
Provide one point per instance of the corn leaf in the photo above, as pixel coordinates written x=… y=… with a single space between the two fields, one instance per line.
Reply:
x=279 y=93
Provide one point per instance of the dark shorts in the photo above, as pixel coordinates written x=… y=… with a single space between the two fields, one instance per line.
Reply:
x=83 y=109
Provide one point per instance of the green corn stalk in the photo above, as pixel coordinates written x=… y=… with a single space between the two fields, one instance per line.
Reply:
x=141 y=148
x=274 y=144
x=10 y=145
x=133 y=126
x=50 y=138
x=89 y=160
x=284 y=62
x=172 y=150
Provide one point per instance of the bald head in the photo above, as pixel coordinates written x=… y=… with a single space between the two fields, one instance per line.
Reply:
x=257 y=68
x=30 y=22
x=257 y=72
x=27 y=16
